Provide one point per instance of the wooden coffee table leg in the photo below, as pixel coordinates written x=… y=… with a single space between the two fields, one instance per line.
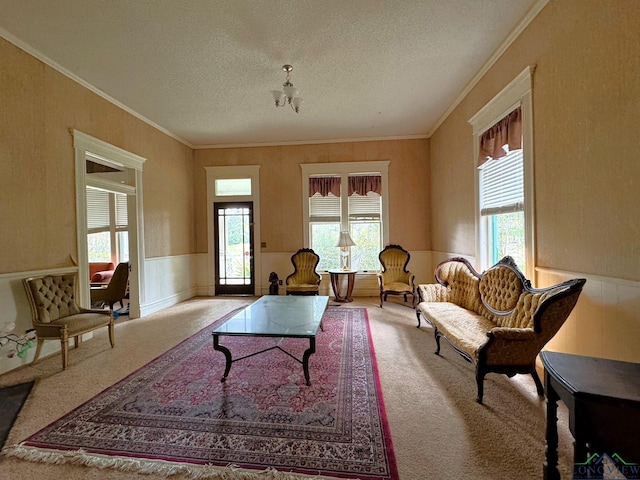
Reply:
x=305 y=359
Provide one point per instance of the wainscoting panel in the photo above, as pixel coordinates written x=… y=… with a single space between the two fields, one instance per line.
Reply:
x=170 y=280
x=606 y=320
x=16 y=310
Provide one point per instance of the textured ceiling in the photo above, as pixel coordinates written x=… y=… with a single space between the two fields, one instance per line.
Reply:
x=202 y=70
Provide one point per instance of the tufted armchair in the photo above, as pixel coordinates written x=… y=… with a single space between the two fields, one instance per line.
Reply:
x=304 y=280
x=395 y=279
x=56 y=314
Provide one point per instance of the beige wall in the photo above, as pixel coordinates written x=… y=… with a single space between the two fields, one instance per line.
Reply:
x=40 y=106
x=281 y=187
x=586 y=115
x=586 y=111
x=586 y=108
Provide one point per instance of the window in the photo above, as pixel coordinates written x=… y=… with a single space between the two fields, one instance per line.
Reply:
x=351 y=197
x=229 y=187
x=502 y=208
x=503 y=139
x=107 y=226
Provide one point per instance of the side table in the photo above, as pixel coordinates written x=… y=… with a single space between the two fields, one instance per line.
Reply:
x=336 y=284
x=603 y=399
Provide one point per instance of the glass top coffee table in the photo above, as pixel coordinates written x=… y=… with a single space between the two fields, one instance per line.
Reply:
x=275 y=316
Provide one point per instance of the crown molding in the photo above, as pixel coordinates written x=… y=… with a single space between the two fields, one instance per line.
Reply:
x=310 y=142
x=515 y=33
x=59 y=68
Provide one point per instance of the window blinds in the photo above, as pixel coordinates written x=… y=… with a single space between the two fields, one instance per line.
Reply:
x=98 y=211
x=328 y=208
x=324 y=209
x=502 y=185
x=365 y=207
x=122 y=218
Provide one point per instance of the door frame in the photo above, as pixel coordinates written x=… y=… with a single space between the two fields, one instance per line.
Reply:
x=233 y=172
x=88 y=147
x=230 y=288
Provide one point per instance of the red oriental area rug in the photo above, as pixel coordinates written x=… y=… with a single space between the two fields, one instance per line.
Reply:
x=175 y=416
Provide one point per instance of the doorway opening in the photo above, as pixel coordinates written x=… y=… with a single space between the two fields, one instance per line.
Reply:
x=107 y=170
x=233 y=238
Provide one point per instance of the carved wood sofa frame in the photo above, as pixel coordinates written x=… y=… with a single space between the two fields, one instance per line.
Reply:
x=495 y=320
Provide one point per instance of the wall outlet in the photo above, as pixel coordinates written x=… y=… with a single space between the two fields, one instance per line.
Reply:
x=279 y=282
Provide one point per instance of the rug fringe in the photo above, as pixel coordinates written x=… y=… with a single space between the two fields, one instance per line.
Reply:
x=151 y=467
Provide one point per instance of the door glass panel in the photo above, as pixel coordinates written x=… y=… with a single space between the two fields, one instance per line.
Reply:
x=234 y=269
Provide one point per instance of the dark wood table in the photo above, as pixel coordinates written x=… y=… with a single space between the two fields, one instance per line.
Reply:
x=335 y=284
x=603 y=398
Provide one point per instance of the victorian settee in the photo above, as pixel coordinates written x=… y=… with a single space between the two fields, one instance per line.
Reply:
x=495 y=320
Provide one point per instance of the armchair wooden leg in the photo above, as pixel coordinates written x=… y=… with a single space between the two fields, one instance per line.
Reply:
x=112 y=334
x=76 y=341
x=38 y=350
x=64 y=344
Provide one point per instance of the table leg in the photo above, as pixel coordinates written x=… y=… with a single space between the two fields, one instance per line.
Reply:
x=227 y=356
x=335 y=285
x=305 y=359
x=550 y=469
x=350 y=281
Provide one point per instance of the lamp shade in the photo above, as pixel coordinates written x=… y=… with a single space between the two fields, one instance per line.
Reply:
x=297 y=101
x=278 y=96
x=345 y=240
x=290 y=91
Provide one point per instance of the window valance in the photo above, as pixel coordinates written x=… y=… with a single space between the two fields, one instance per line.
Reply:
x=324 y=186
x=507 y=131
x=360 y=184
x=363 y=184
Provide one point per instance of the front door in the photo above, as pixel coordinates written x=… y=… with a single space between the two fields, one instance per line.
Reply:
x=233 y=234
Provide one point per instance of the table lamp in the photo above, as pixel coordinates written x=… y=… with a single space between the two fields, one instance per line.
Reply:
x=344 y=242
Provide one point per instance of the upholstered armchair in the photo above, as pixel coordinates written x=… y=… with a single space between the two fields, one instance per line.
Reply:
x=115 y=291
x=304 y=280
x=56 y=315
x=395 y=279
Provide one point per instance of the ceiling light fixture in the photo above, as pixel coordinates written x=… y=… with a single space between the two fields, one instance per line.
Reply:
x=290 y=93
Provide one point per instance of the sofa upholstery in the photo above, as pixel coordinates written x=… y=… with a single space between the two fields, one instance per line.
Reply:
x=101 y=272
x=495 y=320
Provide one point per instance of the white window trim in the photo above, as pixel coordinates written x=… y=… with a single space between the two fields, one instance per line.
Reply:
x=517 y=93
x=344 y=169
x=230 y=172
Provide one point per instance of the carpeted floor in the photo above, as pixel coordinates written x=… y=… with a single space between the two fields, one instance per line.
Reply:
x=438 y=430
x=11 y=400
x=175 y=409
